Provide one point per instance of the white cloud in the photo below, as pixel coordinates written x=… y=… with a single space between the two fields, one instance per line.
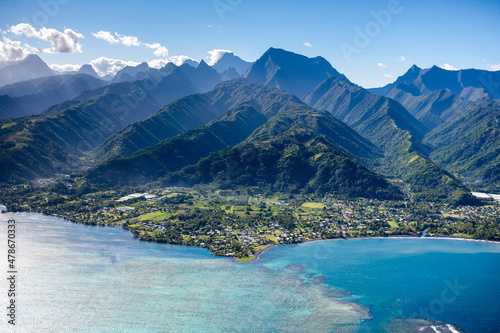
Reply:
x=216 y=55
x=382 y=65
x=448 y=67
x=180 y=59
x=11 y=50
x=104 y=66
x=309 y=45
x=62 y=42
x=129 y=40
x=24 y=28
x=401 y=59
x=160 y=51
x=107 y=36
x=177 y=60
x=65 y=68
x=158 y=63
x=389 y=75
x=493 y=67
x=125 y=40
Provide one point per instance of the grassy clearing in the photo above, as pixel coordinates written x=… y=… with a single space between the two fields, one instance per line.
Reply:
x=272 y=238
x=393 y=224
x=313 y=205
x=158 y=216
x=4 y=126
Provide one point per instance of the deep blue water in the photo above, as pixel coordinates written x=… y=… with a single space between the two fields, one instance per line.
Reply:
x=76 y=278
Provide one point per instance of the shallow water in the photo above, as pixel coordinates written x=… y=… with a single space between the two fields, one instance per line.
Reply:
x=76 y=278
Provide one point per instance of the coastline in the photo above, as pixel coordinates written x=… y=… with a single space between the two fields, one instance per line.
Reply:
x=257 y=254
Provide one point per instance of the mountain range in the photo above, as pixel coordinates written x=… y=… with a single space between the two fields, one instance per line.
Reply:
x=286 y=123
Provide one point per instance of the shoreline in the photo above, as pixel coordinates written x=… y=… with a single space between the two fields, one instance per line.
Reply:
x=257 y=254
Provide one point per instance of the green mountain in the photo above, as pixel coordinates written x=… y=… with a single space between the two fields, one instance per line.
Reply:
x=389 y=126
x=172 y=154
x=433 y=109
x=40 y=146
x=59 y=139
x=462 y=117
x=9 y=108
x=247 y=122
x=469 y=147
x=296 y=161
x=191 y=112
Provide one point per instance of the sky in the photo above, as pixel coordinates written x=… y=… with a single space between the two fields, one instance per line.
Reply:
x=371 y=42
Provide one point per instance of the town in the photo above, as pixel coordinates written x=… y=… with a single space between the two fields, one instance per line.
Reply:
x=232 y=224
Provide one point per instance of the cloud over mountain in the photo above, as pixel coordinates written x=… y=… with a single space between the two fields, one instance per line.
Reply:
x=177 y=60
x=448 y=67
x=11 y=50
x=104 y=66
x=216 y=55
x=65 y=68
x=493 y=67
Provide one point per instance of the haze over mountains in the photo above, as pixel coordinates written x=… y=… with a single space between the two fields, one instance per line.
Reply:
x=31 y=67
x=286 y=123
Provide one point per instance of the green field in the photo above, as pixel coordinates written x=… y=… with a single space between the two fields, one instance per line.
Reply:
x=158 y=216
x=313 y=205
x=393 y=224
x=462 y=235
x=5 y=126
x=271 y=238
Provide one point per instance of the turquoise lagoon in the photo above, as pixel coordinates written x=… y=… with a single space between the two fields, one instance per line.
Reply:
x=77 y=278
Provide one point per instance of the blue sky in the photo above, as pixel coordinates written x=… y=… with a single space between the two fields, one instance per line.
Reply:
x=369 y=51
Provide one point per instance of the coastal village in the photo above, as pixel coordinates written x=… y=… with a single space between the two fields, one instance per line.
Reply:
x=235 y=225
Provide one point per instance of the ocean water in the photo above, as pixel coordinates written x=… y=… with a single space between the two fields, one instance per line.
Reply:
x=76 y=278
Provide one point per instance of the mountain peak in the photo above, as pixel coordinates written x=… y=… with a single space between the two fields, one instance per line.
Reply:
x=230 y=74
x=228 y=55
x=202 y=64
x=228 y=60
x=294 y=73
x=32 y=57
x=31 y=67
x=88 y=69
